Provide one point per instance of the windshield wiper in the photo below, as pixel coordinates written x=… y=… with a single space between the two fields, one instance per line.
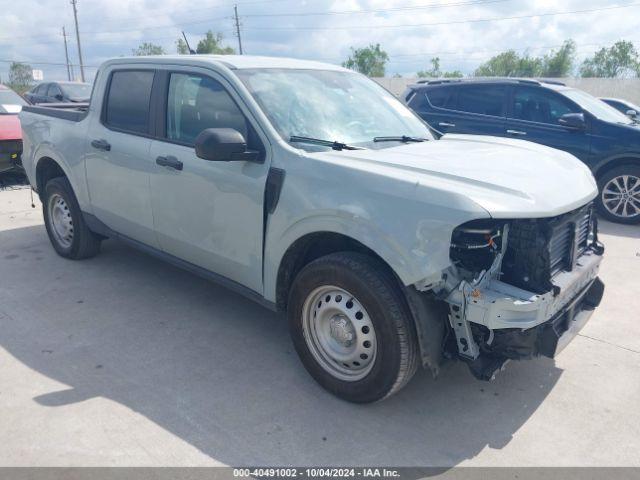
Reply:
x=325 y=143
x=403 y=138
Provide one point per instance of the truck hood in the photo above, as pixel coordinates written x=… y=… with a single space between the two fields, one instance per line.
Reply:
x=10 y=127
x=508 y=178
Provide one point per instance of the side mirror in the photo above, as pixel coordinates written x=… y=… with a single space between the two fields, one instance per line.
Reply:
x=573 y=120
x=223 y=145
x=59 y=97
x=632 y=113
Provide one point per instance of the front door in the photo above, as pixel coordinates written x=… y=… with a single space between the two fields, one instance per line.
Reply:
x=533 y=115
x=207 y=213
x=117 y=160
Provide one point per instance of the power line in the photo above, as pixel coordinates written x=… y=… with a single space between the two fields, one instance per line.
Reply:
x=329 y=12
x=177 y=25
x=456 y=22
x=378 y=10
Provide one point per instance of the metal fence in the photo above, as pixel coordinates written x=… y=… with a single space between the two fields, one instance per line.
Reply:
x=626 y=88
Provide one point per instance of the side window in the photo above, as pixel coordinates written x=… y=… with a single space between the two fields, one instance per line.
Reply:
x=196 y=103
x=443 y=97
x=41 y=89
x=418 y=100
x=538 y=105
x=128 y=99
x=484 y=99
x=53 y=90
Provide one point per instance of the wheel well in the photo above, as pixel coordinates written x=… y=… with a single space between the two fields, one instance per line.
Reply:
x=46 y=170
x=309 y=248
x=616 y=163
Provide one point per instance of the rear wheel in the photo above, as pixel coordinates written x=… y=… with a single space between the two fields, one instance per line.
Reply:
x=68 y=233
x=351 y=327
x=619 y=198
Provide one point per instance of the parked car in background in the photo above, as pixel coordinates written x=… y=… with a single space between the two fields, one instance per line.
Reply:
x=309 y=188
x=59 y=92
x=629 y=109
x=10 y=132
x=544 y=112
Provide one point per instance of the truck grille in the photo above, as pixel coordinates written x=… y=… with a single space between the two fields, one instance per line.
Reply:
x=568 y=239
x=539 y=249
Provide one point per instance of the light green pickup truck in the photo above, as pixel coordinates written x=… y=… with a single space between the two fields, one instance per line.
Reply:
x=310 y=189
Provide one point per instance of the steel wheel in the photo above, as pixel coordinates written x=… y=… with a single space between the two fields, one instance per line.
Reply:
x=621 y=196
x=339 y=333
x=61 y=220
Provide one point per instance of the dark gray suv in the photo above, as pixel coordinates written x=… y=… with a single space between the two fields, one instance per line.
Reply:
x=544 y=112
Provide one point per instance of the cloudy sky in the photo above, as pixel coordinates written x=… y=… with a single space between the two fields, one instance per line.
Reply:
x=463 y=33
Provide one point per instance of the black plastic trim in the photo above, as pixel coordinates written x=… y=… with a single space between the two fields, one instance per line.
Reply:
x=96 y=226
x=275 y=181
x=69 y=112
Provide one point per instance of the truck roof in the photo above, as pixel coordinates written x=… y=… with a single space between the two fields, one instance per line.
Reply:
x=229 y=61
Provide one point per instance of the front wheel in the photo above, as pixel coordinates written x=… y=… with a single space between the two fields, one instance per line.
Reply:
x=351 y=327
x=619 y=198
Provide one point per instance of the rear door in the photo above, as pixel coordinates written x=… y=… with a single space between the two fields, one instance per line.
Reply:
x=207 y=213
x=477 y=109
x=435 y=105
x=481 y=109
x=533 y=115
x=118 y=162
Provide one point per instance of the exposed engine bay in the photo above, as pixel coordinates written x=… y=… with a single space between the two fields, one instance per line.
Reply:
x=520 y=288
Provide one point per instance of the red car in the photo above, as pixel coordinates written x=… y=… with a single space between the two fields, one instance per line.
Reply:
x=10 y=132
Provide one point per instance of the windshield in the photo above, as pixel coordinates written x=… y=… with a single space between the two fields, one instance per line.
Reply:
x=10 y=102
x=330 y=105
x=596 y=107
x=77 y=90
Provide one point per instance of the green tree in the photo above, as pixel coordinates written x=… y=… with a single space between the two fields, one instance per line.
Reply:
x=510 y=64
x=435 y=72
x=560 y=63
x=20 y=76
x=370 y=61
x=619 y=60
x=181 y=47
x=147 y=48
x=211 y=44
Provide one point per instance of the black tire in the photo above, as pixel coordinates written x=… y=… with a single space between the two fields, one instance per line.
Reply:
x=603 y=180
x=377 y=290
x=85 y=243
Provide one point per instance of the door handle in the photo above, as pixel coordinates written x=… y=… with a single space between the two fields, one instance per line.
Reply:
x=101 y=145
x=169 y=161
x=446 y=124
x=516 y=132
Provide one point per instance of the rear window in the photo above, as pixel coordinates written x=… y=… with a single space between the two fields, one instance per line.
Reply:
x=128 y=100
x=443 y=97
x=483 y=99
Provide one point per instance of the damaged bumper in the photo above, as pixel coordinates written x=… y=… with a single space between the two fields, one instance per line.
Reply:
x=498 y=305
x=504 y=322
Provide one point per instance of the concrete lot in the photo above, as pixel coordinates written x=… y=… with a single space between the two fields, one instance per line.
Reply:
x=124 y=360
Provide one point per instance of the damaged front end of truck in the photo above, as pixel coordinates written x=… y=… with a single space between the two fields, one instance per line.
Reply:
x=518 y=289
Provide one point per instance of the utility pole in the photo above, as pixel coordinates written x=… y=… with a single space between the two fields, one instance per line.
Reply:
x=235 y=9
x=75 y=17
x=66 y=53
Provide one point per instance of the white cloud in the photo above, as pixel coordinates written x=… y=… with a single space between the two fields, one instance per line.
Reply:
x=31 y=29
